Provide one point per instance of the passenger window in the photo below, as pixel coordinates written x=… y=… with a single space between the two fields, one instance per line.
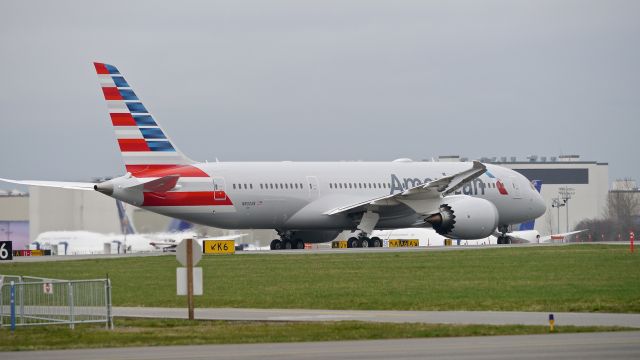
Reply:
x=291 y=186
x=281 y=186
x=251 y=186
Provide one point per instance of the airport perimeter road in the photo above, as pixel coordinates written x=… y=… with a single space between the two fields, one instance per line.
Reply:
x=611 y=345
x=390 y=316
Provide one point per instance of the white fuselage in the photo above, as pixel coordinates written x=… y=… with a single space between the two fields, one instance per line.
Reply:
x=295 y=195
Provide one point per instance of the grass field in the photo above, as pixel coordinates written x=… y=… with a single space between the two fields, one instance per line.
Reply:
x=591 y=278
x=143 y=332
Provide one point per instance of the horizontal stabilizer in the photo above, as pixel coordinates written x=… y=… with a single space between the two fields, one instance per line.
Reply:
x=162 y=184
x=54 y=184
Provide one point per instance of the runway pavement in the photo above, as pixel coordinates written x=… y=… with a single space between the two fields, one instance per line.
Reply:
x=389 y=316
x=611 y=345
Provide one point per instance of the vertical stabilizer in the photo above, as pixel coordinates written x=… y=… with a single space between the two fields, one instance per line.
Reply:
x=144 y=145
x=125 y=224
x=178 y=225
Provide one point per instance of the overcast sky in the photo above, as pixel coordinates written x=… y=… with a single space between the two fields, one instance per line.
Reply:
x=322 y=80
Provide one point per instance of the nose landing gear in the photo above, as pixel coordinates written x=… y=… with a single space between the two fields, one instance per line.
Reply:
x=503 y=238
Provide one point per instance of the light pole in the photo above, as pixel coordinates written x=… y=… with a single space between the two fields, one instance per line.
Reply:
x=565 y=194
x=557 y=204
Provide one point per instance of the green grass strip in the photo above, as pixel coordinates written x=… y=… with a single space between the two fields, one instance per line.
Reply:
x=581 y=278
x=152 y=332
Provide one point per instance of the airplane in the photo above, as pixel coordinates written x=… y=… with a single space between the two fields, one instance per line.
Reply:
x=130 y=240
x=303 y=201
x=88 y=242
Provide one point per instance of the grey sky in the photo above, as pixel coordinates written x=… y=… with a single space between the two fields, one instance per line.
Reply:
x=322 y=80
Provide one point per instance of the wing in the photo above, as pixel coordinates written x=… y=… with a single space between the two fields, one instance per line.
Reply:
x=560 y=236
x=424 y=199
x=55 y=184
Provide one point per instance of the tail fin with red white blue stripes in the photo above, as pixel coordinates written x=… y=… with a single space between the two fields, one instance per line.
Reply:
x=146 y=149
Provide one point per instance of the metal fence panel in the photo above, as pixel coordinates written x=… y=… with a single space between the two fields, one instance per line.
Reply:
x=40 y=301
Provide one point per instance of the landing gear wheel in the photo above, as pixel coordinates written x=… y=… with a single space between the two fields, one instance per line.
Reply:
x=276 y=244
x=376 y=242
x=299 y=244
x=287 y=245
x=504 y=240
x=352 y=242
x=366 y=242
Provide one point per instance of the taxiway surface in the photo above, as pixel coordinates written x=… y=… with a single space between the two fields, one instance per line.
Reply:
x=610 y=345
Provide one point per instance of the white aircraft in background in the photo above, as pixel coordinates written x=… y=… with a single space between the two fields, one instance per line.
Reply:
x=304 y=201
x=87 y=242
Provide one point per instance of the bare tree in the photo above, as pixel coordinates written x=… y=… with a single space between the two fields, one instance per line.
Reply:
x=623 y=208
x=621 y=214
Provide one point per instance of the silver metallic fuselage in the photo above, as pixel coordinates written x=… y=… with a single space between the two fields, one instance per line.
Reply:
x=304 y=191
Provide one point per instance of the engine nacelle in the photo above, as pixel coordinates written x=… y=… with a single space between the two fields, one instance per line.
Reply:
x=465 y=217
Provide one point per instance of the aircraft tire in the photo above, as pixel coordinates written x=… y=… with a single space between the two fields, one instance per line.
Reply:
x=276 y=244
x=376 y=242
x=365 y=242
x=352 y=242
x=287 y=245
x=299 y=244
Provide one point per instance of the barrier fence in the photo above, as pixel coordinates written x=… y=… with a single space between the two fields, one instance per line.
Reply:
x=31 y=301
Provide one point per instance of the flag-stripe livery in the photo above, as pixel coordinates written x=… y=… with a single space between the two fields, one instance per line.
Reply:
x=148 y=152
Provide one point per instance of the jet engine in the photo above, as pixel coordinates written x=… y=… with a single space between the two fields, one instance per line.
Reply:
x=464 y=217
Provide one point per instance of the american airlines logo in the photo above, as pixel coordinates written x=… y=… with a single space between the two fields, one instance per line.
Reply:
x=474 y=187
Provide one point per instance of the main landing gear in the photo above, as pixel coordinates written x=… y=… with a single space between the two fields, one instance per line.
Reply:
x=364 y=242
x=367 y=223
x=286 y=242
